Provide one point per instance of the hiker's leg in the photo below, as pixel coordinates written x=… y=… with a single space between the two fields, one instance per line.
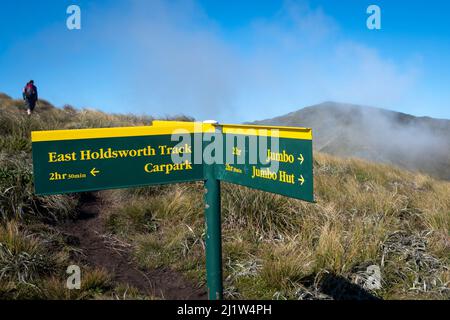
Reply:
x=27 y=105
x=32 y=105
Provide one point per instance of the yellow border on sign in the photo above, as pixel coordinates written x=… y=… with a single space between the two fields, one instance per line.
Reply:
x=170 y=127
x=253 y=130
x=268 y=131
x=119 y=132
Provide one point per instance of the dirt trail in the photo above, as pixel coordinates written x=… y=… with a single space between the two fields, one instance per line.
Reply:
x=89 y=230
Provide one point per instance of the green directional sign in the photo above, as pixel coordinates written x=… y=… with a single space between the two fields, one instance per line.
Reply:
x=273 y=159
x=67 y=161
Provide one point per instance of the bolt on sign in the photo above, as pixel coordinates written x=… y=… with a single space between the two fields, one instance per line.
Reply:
x=272 y=159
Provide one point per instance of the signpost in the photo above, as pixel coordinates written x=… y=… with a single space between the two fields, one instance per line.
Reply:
x=273 y=159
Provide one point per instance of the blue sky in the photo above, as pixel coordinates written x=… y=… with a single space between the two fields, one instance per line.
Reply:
x=229 y=60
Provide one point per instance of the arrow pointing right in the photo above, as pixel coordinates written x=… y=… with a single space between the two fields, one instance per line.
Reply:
x=301 y=159
x=301 y=180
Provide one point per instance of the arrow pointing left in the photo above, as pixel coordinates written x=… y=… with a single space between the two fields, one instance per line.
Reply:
x=94 y=172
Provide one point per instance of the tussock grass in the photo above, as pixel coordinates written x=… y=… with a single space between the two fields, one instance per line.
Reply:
x=22 y=257
x=17 y=198
x=274 y=246
x=166 y=228
x=96 y=284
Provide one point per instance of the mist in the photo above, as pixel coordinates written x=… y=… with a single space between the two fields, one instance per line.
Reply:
x=379 y=135
x=415 y=143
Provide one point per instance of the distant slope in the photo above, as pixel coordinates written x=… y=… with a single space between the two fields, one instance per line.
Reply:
x=415 y=143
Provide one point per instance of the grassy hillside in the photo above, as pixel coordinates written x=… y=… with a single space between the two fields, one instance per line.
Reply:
x=378 y=135
x=366 y=215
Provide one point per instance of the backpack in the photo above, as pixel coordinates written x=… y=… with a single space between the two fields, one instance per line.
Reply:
x=30 y=91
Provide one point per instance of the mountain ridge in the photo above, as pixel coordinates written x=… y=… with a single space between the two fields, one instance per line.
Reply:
x=376 y=134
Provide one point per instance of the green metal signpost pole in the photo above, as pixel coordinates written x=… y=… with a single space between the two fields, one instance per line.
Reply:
x=213 y=234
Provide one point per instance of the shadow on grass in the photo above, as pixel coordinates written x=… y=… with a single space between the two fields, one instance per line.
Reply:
x=339 y=288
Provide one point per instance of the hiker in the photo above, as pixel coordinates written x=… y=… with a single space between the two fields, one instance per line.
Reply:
x=30 y=95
